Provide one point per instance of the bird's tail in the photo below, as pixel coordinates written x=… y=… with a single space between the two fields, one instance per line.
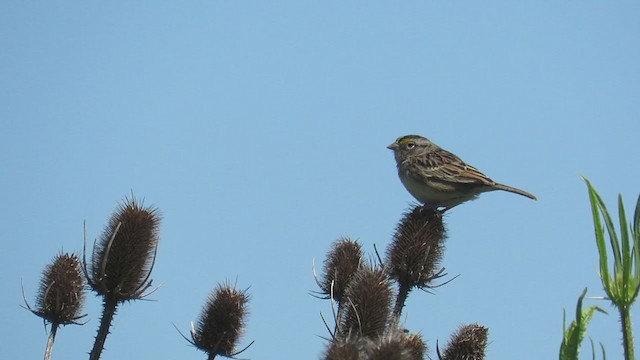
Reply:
x=515 y=191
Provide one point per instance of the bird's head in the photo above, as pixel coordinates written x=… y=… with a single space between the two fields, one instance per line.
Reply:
x=411 y=145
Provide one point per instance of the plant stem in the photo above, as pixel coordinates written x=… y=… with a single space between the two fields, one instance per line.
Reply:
x=403 y=293
x=627 y=334
x=52 y=338
x=109 y=309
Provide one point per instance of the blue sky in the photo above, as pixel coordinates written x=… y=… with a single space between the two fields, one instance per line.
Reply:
x=259 y=129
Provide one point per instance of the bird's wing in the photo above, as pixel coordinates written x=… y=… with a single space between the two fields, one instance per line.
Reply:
x=448 y=167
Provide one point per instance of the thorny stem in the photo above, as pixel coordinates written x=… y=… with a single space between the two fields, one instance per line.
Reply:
x=403 y=292
x=52 y=338
x=109 y=309
x=627 y=335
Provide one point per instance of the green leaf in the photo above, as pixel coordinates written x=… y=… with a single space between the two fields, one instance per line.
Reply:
x=599 y=233
x=635 y=234
x=574 y=334
x=626 y=255
x=613 y=236
x=593 y=350
x=636 y=219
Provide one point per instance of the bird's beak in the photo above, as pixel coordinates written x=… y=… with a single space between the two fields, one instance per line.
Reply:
x=393 y=146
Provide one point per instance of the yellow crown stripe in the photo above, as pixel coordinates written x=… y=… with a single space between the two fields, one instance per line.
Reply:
x=406 y=140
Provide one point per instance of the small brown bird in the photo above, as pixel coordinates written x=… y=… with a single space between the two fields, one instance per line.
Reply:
x=438 y=178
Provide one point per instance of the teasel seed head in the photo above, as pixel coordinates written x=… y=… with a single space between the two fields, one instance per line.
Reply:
x=468 y=342
x=61 y=294
x=395 y=344
x=367 y=303
x=222 y=322
x=415 y=346
x=343 y=350
x=125 y=253
x=387 y=349
x=398 y=344
x=342 y=262
x=415 y=253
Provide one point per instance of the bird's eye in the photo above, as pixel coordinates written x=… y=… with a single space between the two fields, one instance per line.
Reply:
x=411 y=145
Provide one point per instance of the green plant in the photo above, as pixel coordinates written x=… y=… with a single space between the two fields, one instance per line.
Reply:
x=574 y=334
x=621 y=280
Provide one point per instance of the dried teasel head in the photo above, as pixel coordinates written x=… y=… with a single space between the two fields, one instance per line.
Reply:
x=124 y=255
x=343 y=350
x=395 y=344
x=468 y=342
x=415 y=346
x=415 y=253
x=367 y=303
x=222 y=322
x=343 y=260
x=61 y=294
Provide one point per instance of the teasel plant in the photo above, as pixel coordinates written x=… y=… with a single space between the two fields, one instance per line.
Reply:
x=60 y=296
x=371 y=296
x=221 y=323
x=364 y=330
x=620 y=279
x=343 y=261
x=363 y=293
x=414 y=255
x=122 y=261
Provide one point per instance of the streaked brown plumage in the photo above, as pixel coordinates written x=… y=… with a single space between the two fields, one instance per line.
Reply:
x=438 y=178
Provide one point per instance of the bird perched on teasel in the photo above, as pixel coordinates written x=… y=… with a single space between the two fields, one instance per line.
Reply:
x=438 y=178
